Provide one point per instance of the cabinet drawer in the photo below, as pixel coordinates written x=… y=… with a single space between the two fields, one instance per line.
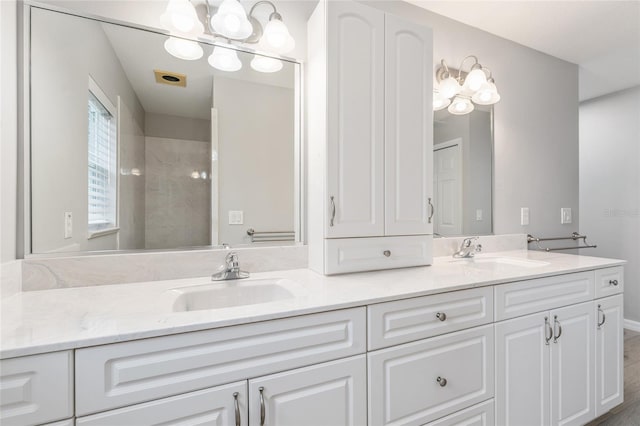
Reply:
x=478 y=415
x=527 y=297
x=128 y=373
x=609 y=281
x=403 y=381
x=213 y=406
x=403 y=321
x=36 y=389
x=368 y=254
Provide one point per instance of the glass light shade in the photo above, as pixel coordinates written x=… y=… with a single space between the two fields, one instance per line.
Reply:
x=224 y=59
x=449 y=87
x=276 y=37
x=487 y=95
x=231 y=21
x=475 y=79
x=460 y=106
x=266 y=64
x=181 y=16
x=183 y=49
x=440 y=102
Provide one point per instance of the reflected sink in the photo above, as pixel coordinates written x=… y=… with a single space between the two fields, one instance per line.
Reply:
x=232 y=293
x=492 y=262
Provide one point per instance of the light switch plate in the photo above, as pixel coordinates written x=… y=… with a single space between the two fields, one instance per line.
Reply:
x=236 y=217
x=524 y=216
x=478 y=214
x=565 y=215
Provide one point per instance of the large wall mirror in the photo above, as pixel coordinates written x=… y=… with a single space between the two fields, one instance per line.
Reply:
x=132 y=148
x=463 y=172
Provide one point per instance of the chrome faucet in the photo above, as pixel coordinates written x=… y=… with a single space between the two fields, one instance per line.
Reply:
x=230 y=270
x=468 y=248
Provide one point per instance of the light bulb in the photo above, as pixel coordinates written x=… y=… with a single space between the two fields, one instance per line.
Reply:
x=277 y=38
x=487 y=94
x=231 y=21
x=460 y=106
x=449 y=87
x=475 y=79
x=195 y=175
x=183 y=49
x=224 y=59
x=439 y=101
x=181 y=16
x=266 y=64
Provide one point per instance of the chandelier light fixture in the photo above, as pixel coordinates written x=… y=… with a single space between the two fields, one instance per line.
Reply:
x=460 y=93
x=231 y=23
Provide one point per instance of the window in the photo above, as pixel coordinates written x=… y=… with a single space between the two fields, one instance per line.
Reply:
x=103 y=159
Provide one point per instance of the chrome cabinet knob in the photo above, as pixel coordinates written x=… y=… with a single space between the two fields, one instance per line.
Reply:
x=387 y=253
x=441 y=316
x=613 y=282
x=441 y=381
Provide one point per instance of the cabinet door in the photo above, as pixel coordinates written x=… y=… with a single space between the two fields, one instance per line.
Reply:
x=522 y=371
x=355 y=86
x=573 y=365
x=408 y=127
x=333 y=393
x=220 y=406
x=609 y=353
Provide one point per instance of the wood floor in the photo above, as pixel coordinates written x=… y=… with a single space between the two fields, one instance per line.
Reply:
x=628 y=413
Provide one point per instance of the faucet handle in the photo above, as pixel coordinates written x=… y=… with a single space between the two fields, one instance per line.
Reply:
x=231 y=259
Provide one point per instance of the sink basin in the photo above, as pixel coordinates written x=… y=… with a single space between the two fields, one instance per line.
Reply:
x=229 y=294
x=492 y=262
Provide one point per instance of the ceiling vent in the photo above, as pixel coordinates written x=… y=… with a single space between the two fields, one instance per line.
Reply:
x=170 y=78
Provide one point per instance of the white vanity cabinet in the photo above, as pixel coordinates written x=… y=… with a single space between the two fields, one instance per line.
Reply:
x=370 y=139
x=609 y=353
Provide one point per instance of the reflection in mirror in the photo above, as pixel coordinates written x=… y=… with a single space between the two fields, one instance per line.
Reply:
x=133 y=148
x=463 y=172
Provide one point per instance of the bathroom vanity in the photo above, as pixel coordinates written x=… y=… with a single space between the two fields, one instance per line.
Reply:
x=503 y=338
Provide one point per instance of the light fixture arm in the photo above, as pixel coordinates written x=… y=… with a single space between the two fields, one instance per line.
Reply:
x=476 y=65
x=274 y=14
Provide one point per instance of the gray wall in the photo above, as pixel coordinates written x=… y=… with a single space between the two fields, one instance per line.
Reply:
x=610 y=184
x=536 y=122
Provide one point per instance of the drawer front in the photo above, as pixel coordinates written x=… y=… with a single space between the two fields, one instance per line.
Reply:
x=369 y=254
x=609 y=281
x=403 y=381
x=478 y=415
x=67 y=422
x=527 y=297
x=127 y=373
x=36 y=389
x=213 y=406
x=403 y=321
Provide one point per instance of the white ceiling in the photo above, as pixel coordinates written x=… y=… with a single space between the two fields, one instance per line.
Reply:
x=602 y=37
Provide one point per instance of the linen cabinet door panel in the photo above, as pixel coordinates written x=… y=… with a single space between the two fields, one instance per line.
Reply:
x=355 y=96
x=573 y=365
x=36 y=389
x=408 y=127
x=333 y=393
x=415 y=383
x=523 y=371
x=609 y=353
x=219 y=406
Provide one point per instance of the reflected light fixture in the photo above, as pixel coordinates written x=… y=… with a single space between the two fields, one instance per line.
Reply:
x=224 y=59
x=460 y=92
x=231 y=23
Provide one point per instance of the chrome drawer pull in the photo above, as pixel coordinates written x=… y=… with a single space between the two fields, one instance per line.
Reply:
x=433 y=210
x=237 y=407
x=613 y=282
x=441 y=381
x=333 y=211
x=549 y=329
x=604 y=317
x=556 y=337
x=263 y=411
x=441 y=316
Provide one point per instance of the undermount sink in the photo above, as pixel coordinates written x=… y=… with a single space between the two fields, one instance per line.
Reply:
x=229 y=294
x=491 y=262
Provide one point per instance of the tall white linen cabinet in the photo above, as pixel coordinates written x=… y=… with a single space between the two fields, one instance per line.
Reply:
x=370 y=139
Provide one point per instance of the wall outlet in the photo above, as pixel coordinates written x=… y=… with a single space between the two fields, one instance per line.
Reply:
x=236 y=217
x=478 y=214
x=524 y=216
x=68 y=225
x=565 y=215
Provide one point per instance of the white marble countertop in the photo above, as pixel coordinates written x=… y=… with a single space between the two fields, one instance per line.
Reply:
x=51 y=320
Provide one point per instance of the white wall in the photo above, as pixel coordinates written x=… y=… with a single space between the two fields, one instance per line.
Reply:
x=536 y=122
x=610 y=184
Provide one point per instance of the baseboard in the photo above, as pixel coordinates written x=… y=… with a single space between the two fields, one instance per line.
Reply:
x=632 y=325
